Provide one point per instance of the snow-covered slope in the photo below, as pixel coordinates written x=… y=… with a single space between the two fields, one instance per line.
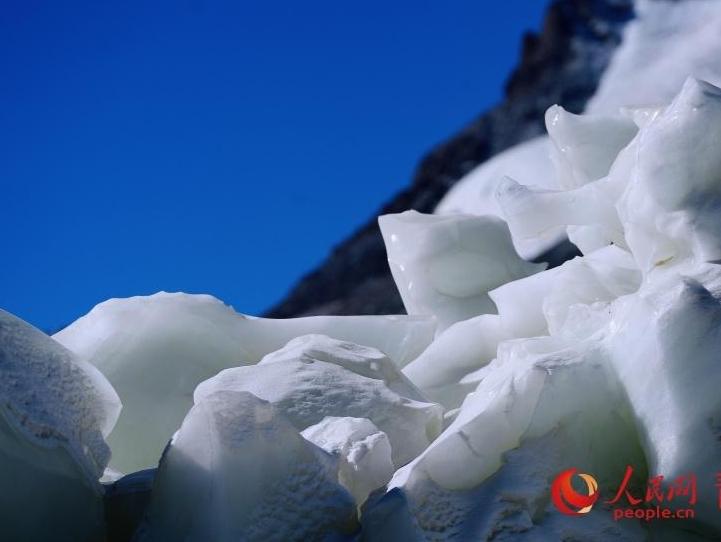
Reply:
x=666 y=42
x=562 y=64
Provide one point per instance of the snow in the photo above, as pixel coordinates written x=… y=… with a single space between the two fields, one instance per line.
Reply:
x=314 y=376
x=664 y=44
x=238 y=470
x=164 y=345
x=54 y=414
x=446 y=265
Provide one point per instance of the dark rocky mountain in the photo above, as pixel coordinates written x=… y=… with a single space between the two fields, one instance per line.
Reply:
x=562 y=64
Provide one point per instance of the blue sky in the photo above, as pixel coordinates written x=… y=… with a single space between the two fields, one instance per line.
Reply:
x=220 y=147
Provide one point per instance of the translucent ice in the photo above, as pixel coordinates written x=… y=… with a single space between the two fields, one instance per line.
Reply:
x=156 y=349
x=54 y=414
x=446 y=265
x=529 y=163
x=314 y=376
x=363 y=452
x=585 y=146
x=459 y=350
x=606 y=361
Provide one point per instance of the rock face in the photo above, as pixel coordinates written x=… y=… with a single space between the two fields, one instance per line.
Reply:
x=561 y=65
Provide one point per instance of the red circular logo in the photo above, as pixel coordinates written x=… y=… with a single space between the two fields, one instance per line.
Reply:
x=568 y=500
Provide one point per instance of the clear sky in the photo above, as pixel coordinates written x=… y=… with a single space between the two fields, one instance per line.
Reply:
x=220 y=147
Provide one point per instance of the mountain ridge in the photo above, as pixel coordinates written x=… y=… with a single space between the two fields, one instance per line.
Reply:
x=562 y=64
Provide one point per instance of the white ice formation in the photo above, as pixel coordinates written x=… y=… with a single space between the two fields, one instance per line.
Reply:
x=605 y=362
x=528 y=163
x=315 y=376
x=166 y=344
x=364 y=453
x=504 y=375
x=238 y=470
x=445 y=265
x=54 y=414
x=609 y=360
x=664 y=43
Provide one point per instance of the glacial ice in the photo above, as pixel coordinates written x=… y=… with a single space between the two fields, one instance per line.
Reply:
x=446 y=265
x=585 y=146
x=664 y=43
x=54 y=414
x=609 y=360
x=665 y=351
x=530 y=164
x=666 y=219
x=315 y=376
x=238 y=470
x=156 y=349
x=296 y=427
x=461 y=349
x=363 y=451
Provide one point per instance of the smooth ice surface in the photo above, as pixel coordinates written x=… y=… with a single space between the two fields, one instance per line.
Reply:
x=445 y=265
x=155 y=350
x=530 y=164
x=54 y=413
x=585 y=146
x=671 y=211
x=238 y=470
x=363 y=452
x=315 y=376
x=462 y=348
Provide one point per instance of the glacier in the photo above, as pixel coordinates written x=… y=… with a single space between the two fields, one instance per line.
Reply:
x=164 y=345
x=608 y=382
x=315 y=376
x=55 y=412
x=238 y=470
x=451 y=422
